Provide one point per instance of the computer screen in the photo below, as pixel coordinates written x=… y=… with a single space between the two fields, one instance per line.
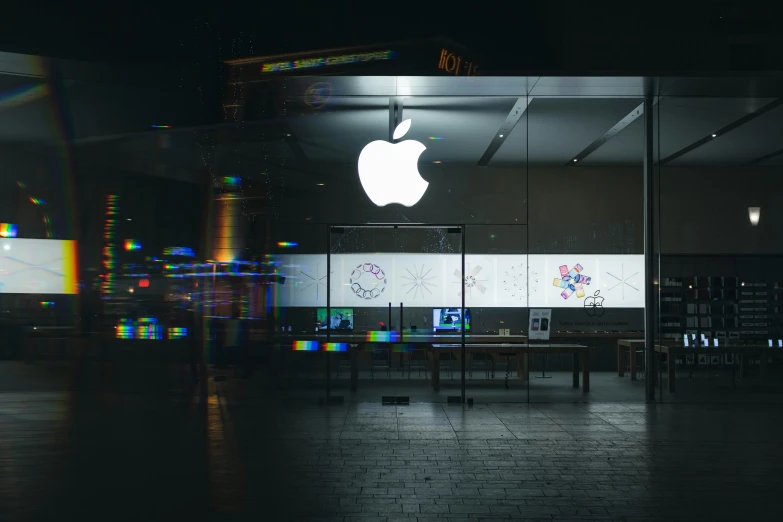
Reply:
x=341 y=318
x=449 y=319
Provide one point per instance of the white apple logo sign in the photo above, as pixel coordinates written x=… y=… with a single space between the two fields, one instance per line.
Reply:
x=389 y=172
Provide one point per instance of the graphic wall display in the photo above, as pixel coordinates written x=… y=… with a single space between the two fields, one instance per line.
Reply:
x=514 y=280
x=572 y=281
x=493 y=281
x=421 y=281
x=368 y=281
x=37 y=266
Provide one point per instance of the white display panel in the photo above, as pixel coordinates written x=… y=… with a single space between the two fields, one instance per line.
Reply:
x=433 y=280
x=37 y=266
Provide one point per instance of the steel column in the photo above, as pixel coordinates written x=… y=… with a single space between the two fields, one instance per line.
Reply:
x=649 y=252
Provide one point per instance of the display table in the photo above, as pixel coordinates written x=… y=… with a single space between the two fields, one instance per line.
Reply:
x=631 y=345
x=522 y=351
x=743 y=350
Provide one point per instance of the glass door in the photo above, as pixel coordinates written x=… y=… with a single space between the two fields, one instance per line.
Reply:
x=393 y=321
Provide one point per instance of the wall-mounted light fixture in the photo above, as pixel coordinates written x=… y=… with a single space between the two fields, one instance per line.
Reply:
x=754 y=213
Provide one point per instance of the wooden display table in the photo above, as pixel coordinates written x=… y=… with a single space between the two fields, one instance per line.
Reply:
x=522 y=351
x=744 y=350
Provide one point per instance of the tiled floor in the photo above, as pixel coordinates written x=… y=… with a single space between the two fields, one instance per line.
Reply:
x=103 y=455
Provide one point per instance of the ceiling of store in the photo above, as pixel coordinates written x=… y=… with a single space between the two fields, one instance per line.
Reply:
x=110 y=123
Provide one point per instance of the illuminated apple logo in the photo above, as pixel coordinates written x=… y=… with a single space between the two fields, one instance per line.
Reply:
x=389 y=172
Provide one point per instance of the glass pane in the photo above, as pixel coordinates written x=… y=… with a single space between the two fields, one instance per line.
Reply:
x=720 y=284
x=586 y=248
x=391 y=292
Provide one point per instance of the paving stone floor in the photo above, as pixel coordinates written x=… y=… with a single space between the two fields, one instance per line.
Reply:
x=108 y=456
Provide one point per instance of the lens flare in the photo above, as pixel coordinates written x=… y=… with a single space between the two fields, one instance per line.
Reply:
x=8 y=230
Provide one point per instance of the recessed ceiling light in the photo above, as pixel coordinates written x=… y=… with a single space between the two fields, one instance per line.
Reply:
x=501 y=135
x=575 y=160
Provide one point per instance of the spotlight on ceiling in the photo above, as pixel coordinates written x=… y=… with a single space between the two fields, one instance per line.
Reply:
x=754 y=213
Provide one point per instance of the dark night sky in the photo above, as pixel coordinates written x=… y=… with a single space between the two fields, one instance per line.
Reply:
x=525 y=35
x=134 y=31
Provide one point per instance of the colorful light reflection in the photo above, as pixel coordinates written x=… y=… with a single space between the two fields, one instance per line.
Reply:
x=177 y=333
x=287 y=244
x=305 y=346
x=382 y=337
x=132 y=244
x=8 y=230
x=335 y=347
x=179 y=251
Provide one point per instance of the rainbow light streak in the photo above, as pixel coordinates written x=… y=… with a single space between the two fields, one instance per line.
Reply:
x=149 y=332
x=70 y=267
x=132 y=244
x=287 y=244
x=124 y=331
x=36 y=201
x=436 y=138
x=160 y=126
x=228 y=238
x=177 y=333
x=47 y=304
x=232 y=181
x=178 y=251
x=109 y=256
x=48 y=225
x=310 y=63
x=8 y=230
x=382 y=337
x=335 y=347
x=305 y=346
x=22 y=95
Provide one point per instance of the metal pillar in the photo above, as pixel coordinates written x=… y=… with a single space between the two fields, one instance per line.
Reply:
x=649 y=252
x=462 y=348
x=328 y=311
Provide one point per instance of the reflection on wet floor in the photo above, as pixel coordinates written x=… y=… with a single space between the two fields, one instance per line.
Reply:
x=112 y=456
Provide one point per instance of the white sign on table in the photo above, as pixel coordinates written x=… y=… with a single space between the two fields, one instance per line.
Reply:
x=540 y=322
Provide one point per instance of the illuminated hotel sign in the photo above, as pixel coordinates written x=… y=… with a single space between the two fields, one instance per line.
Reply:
x=454 y=64
x=309 y=63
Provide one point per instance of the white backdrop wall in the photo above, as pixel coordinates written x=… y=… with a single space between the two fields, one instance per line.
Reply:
x=433 y=280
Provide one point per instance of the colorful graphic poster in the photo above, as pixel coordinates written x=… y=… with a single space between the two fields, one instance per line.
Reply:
x=37 y=266
x=593 y=282
x=540 y=324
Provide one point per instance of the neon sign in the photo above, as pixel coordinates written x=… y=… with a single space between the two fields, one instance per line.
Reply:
x=309 y=63
x=453 y=64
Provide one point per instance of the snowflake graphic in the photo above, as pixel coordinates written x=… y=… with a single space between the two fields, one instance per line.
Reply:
x=572 y=281
x=471 y=280
x=419 y=281
x=316 y=279
x=515 y=281
x=622 y=281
